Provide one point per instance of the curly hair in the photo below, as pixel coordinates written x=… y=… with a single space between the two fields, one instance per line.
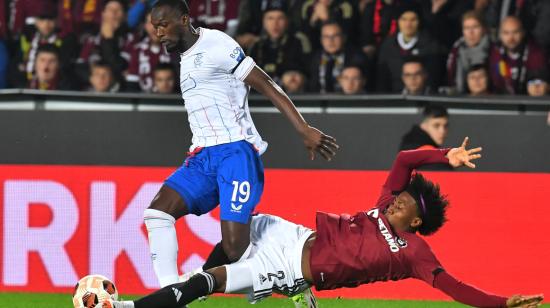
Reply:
x=426 y=192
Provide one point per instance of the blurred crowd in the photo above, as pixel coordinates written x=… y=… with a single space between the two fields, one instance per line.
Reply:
x=462 y=47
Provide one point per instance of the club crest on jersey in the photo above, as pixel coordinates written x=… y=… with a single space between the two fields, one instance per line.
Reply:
x=198 y=60
x=401 y=242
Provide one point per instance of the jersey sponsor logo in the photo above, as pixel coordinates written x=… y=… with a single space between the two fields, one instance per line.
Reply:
x=387 y=235
x=393 y=243
x=237 y=54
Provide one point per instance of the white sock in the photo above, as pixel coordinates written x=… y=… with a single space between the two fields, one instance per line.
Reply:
x=123 y=304
x=163 y=245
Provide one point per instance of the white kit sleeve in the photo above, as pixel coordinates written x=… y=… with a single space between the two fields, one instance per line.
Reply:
x=231 y=58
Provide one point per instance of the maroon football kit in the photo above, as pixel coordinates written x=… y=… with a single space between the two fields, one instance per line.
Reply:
x=363 y=248
x=145 y=56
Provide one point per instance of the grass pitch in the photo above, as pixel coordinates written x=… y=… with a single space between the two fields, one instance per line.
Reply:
x=39 y=300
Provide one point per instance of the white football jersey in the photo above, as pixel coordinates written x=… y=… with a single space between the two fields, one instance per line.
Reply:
x=212 y=72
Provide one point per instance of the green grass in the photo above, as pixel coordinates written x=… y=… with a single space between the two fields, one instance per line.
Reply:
x=38 y=300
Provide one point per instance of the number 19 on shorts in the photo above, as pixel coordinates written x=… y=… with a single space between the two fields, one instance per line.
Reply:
x=241 y=194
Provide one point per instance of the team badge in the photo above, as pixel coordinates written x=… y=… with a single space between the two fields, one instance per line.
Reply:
x=401 y=242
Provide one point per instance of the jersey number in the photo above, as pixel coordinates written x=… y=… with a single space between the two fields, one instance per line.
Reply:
x=241 y=189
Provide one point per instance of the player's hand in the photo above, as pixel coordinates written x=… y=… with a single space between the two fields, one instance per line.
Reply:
x=317 y=142
x=525 y=301
x=462 y=157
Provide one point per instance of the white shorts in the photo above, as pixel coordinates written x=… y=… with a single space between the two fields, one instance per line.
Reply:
x=275 y=262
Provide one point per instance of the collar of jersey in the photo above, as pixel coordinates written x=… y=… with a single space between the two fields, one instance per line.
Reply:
x=196 y=43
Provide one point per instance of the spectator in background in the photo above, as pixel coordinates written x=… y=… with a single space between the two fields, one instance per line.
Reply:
x=328 y=63
x=541 y=25
x=138 y=10
x=378 y=20
x=315 y=13
x=537 y=83
x=514 y=58
x=4 y=9
x=408 y=41
x=477 y=80
x=80 y=17
x=112 y=44
x=498 y=10
x=430 y=133
x=442 y=19
x=23 y=14
x=164 y=78
x=414 y=77
x=293 y=82
x=4 y=53
x=250 y=19
x=215 y=14
x=45 y=33
x=279 y=51
x=352 y=80
x=48 y=74
x=472 y=48
x=102 y=78
x=4 y=63
x=144 y=57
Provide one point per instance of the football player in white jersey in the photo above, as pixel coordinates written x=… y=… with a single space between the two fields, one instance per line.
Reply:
x=223 y=166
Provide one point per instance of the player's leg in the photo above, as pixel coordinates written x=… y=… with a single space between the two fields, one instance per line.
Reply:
x=180 y=294
x=160 y=220
x=235 y=278
x=217 y=257
x=241 y=182
x=189 y=190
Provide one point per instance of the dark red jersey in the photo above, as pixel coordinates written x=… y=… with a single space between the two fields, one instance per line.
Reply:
x=214 y=14
x=363 y=248
x=93 y=49
x=509 y=74
x=23 y=12
x=79 y=16
x=3 y=19
x=144 y=58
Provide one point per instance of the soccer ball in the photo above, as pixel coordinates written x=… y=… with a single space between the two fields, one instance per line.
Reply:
x=93 y=289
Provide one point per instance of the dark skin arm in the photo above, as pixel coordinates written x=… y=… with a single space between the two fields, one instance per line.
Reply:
x=314 y=140
x=235 y=236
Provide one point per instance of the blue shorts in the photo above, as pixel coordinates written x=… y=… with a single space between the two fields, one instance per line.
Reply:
x=231 y=175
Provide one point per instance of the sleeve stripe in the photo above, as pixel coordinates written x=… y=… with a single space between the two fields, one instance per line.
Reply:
x=246 y=73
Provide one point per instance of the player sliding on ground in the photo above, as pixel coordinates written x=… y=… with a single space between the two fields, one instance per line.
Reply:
x=224 y=165
x=346 y=251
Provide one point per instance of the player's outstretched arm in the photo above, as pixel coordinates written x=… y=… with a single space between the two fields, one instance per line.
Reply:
x=462 y=157
x=314 y=140
x=525 y=301
x=472 y=296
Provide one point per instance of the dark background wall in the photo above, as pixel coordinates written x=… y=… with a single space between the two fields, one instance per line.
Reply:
x=519 y=143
